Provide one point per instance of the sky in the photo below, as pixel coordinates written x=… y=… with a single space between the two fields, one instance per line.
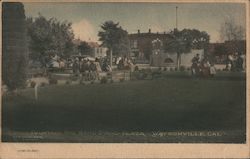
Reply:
x=86 y=18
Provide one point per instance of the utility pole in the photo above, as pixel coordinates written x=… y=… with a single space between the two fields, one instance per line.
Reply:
x=111 y=58
x=176 y=20
x=36 y=91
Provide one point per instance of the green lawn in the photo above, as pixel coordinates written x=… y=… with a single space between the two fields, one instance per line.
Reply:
x=120 y=112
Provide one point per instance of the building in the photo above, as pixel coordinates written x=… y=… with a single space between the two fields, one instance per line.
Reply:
x=149 y=48
x=170 y=59
x=141 y=44
x=221 y=50
x=98 y=51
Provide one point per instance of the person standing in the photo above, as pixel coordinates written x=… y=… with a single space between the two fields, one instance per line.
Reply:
x=212 y=70
x=74 y=67
x=195 y=65
x=98 y=68
x=92 y=70
x=229 y=63
x=239 y=63
x=87 y=70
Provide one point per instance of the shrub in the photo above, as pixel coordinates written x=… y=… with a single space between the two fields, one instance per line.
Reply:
x=82 y=82
x=134 y=75
x=143 y=75
x=165 y=69
x=92 y=82
x=148 y=70
x=43 y=84
x=176 y=69
x=73 y=78
x=136 y=68
x=52 y=81
x=122 y=79
x=104 y=80
x=159 y=68
x=68 y=82
x=171 y=69
x=109 y=73
x=32 y=84
x=23 y=86
x=182 y=68
x=156 y=74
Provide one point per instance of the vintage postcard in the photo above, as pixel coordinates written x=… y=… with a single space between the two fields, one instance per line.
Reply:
x=123 y=79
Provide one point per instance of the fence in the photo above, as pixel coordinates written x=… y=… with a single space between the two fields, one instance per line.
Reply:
x=121 y=75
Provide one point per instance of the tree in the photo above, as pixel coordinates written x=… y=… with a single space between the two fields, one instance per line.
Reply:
x=49 y=36
x=84 y=48
x=198 y=39
x=220 y=50
x=114 y=38
x=14 y=55
x=183 y=41
x=39 y=34
x=62 y=37
x=178 y=43
x=122 y=48
x=231 y=31
x=234 y=37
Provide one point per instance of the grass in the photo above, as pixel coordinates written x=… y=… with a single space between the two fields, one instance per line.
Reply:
x=95 y=113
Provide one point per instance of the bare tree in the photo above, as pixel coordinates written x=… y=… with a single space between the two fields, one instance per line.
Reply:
x=230 y=30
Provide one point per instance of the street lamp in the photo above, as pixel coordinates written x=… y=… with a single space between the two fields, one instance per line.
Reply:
x=176 y=20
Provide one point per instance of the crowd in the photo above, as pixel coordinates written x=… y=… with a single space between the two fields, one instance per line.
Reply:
x=89 y=68
x=124 y=63
x=235 y=62
x=202 y=67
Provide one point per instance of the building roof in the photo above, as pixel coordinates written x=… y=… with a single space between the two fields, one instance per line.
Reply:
x=93 y=44
x=76 y=41
x=90 y=43
x=148 y=35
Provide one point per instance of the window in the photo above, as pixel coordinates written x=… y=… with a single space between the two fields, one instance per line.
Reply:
x=135 y=43
x=168 y=60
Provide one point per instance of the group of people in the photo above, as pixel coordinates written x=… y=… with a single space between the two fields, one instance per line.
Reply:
x=124 y=63
x=202 y=67
x=89 y=69
x=235 y=62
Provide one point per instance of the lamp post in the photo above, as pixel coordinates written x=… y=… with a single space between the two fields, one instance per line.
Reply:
x=176 y=20
x=111 y=58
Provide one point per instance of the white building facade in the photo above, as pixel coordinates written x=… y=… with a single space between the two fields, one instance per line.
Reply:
x=170 y=59
x=97 y=50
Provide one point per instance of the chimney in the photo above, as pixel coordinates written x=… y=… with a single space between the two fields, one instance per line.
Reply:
x=138 y=31
x=149 y=30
